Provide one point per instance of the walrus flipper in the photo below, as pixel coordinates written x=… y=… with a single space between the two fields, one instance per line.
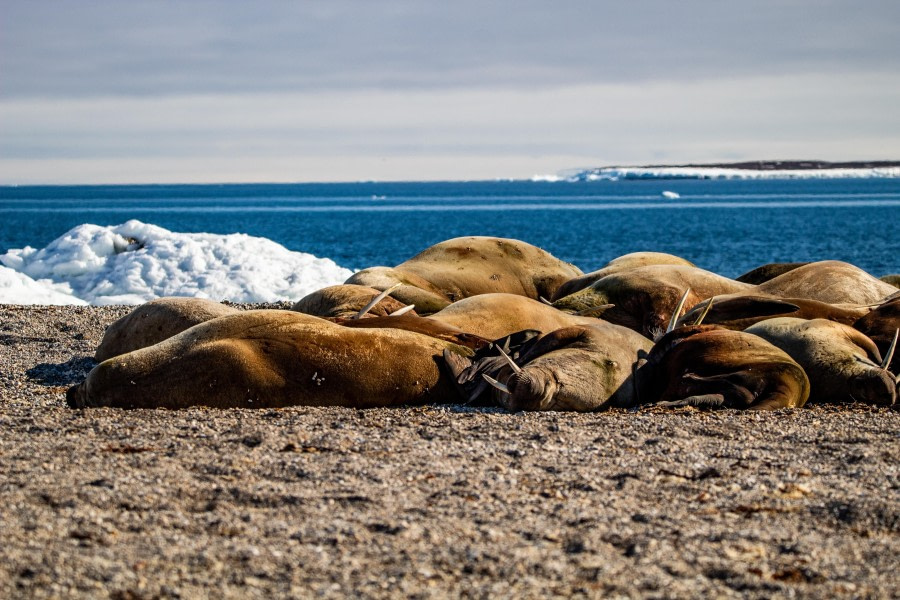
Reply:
x=702 y=401
x=467 y=372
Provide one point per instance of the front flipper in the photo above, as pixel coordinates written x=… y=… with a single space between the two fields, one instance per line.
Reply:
x=702 y=401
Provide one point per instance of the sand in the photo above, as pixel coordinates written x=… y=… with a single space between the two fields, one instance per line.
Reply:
x=430 y=501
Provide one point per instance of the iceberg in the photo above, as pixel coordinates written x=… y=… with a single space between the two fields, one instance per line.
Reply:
x=758 y=170
x=135 y=262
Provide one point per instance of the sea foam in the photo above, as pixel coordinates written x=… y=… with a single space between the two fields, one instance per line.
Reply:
x=135 y=262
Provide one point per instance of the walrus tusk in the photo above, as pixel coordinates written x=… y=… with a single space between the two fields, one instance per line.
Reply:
x=890 y=352
x=376 y=300
x=588 y=311
x=495 y=383
x=544 y=300
x=516 y=368
x=704 y=313
x=402 y=311
x=677 y=312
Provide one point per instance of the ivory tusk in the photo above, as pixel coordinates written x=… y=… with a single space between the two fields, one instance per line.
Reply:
x=495 y=383
x=588 y=311
x=677 y=312
x=890 y=352
x=516 y=368
x=376 y=300
x=402 y=311
x=544 y=300
x=704 y=313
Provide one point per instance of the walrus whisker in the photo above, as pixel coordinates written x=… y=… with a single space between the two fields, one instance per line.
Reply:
x=890 y=353
x=705 y=312
x=495 y=383
x=677 y=311
x=516 y=368
x=402 y=311
x=587 y=311
x=376 y=300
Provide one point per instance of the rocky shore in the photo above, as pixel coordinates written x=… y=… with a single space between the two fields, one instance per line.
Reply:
x=428 y=501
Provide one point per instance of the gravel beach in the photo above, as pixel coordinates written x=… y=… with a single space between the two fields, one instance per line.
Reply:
x=428 y=501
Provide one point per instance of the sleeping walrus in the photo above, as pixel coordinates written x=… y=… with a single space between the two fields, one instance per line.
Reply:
x=617 y=265
x=830 y=281
x=468 y=266
x=843 y=364
x=708 y=366
x=273 y=358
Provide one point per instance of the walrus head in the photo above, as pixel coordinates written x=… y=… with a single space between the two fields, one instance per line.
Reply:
x=874 y=386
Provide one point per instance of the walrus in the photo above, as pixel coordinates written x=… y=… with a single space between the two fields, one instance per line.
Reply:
x=576 y=368
x=273 y=358
x=893 y=280
x=830 y=281
x=155 y=321
x=617 y=265
x=843 y=364
x=768 y=271
x=708 y=366
x=644 y=298
x=346 y=301
x=739 y=311
x=468 y=266
x=881 y=325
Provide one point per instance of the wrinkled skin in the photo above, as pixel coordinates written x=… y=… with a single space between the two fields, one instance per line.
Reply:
x=644 y=298
x=828 y=281
x=273 y=358
x=843 y=364
x=468 y=266
x=707 y=366
x=345 y=301
x=879 y=326
x=768 y=271
x=580 y=368
x=618 y=265
x=156 y=321
x=739 y=311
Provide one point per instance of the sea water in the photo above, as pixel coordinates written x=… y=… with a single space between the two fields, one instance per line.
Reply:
x=726 y=226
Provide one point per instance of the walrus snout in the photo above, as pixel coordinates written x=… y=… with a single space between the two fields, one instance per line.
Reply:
x=530 y=389
x=876 y=386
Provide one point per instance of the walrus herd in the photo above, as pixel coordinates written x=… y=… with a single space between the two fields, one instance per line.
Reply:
x=499 y=321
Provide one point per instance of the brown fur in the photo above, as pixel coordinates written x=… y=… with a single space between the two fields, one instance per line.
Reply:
x=843 y=364
x=644 y=298
x=709 y=366
x=828 y=281
x=156 y=321
x=273 y=358
x=768 y=271
x=468 y=266
x=617 y=265
x=345 y=301
x=879 y=326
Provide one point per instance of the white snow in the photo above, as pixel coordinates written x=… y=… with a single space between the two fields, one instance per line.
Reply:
x=618 y=173
x=135 y=262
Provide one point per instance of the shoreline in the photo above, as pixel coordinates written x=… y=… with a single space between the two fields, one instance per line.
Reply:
x=428 y=501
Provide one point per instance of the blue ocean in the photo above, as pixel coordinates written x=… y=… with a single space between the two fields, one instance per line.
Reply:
x=727 y=226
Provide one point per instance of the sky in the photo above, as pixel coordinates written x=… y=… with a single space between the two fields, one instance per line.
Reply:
x=352 y=90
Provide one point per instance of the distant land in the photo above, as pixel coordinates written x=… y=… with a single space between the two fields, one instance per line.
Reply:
x=755 y=169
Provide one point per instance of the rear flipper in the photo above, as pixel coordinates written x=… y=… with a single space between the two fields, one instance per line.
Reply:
x=702 y=401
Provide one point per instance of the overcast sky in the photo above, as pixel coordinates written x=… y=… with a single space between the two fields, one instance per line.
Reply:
x=190 y=91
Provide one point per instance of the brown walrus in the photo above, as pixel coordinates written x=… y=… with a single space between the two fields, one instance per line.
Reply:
x=468 y=266
x=768 y=271
x=617 y=265
x=644 y=298
x=843 y=364
x=273 y=358
x=739 y=311
x=830 y=281
x=346 y=301
x=881 y=325
x=708 y=366
x=578 y=368
x=156 y=321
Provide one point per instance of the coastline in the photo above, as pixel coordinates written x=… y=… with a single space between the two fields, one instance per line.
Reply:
x=427 y=501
